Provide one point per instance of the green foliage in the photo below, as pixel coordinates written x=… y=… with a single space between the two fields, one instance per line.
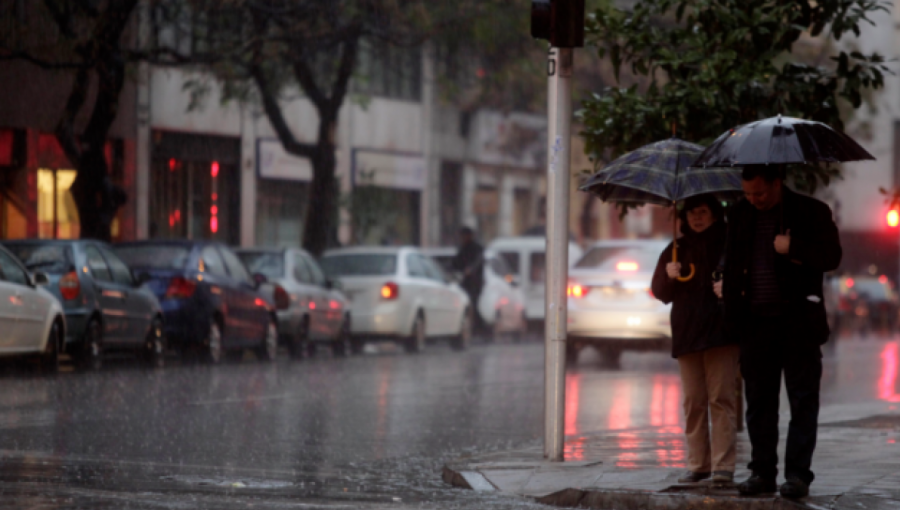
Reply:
x=700 y=67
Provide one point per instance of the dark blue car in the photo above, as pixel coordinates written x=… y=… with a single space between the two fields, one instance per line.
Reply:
x=106 y=306
x=211 y=304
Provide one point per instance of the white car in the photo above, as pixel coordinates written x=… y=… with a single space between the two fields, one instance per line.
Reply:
x=310 y=310
x=31 y=319
x=610 y=304
x=527 y=258
x=399 y=294
x=501 y=304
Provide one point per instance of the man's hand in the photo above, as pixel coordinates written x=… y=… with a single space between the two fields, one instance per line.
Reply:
x=673 y=269
x=717 y=288
x=783 y=243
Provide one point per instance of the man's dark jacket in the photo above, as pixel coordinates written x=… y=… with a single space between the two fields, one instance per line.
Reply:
x=815 y=249
x=697 y=314
x=470 y=257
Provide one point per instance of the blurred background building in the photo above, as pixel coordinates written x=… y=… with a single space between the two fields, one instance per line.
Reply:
x=207 y=169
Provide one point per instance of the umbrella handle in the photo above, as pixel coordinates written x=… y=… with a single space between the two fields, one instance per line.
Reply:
x=688 y=277
x=675 y=259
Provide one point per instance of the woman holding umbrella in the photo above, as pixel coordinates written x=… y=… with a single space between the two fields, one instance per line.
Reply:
x=707 y=358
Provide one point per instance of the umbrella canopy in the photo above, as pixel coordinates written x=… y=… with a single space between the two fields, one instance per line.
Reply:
x=660 y=174
x=781 y=140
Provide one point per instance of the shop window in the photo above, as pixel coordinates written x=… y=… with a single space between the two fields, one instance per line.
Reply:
x=280 y=212
x=57 y=213
x=12 y=220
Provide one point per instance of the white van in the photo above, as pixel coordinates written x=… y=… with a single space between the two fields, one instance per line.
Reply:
x=527 y=258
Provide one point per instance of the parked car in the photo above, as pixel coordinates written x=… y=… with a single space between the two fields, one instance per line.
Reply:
x=862 y=303
x=315 y=312
x=106 y=307
x=610 y=304
x=399 y=294
x=31 y=319
x=212 y=306
x=527 y=258
x=501 y=305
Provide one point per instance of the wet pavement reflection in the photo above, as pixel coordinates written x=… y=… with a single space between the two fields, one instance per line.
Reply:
x=366 y=431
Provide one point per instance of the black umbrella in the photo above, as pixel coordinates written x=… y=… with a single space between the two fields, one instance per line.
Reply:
x=781 y=140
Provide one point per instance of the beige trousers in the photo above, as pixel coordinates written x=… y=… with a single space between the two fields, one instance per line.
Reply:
x=710 y=381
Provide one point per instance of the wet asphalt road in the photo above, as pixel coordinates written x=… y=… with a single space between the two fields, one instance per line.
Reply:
x=363 y=432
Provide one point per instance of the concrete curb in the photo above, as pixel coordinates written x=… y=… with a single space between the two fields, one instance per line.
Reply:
x=678 y=499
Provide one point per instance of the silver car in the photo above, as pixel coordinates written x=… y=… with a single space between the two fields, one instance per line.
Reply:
x=311 y=311
x=610 y=304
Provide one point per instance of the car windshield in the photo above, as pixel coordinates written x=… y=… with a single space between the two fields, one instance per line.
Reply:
x=370 y=264
x=266 y=263
x=154 y=256
x=620 y=258
x=46 y=258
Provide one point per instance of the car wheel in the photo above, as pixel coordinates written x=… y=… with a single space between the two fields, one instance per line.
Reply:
x=298 y=342
x=416 y=341
x=268 y=350
x=213 y=351
x=339 y=346
x=49 y=361
x=572 y=352
x=611 y=356
x=89 y=355
x=461 y=341
x=155 y=346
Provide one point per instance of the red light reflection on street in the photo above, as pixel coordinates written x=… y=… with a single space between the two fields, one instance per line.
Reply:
x=887 y=384
x=574 y=449
x=620 y=418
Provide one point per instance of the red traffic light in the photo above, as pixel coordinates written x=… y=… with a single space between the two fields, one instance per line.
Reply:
x=893 y=218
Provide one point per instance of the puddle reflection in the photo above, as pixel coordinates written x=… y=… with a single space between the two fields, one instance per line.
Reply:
x=887 y=383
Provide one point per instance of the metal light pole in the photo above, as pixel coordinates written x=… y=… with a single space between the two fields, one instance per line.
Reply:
x=559 y=109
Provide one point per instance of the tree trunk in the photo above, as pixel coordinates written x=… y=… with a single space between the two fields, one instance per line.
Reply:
x=322 y=210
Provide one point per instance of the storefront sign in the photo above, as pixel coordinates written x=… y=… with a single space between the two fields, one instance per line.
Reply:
x=274 y=162
x=390 y=170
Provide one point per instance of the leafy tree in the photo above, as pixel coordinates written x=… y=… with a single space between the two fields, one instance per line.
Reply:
x=701 y=67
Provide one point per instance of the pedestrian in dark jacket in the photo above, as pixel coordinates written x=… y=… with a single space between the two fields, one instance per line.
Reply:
x=469 y=261
x=779 y=246
x=707 y=357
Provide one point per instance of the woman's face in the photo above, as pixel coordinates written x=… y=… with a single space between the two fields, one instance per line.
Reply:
x=700 y=218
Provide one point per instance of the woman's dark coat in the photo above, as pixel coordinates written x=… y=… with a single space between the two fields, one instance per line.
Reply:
x=698 y=316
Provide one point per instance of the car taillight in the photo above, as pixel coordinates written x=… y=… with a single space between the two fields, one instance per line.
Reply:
x=282 y=300
x=627 y=266
x=577 y=291
x=69 y=286
x=180 y=287
x=390 y=290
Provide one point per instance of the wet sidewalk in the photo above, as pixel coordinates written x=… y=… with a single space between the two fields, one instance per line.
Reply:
x=857 y=466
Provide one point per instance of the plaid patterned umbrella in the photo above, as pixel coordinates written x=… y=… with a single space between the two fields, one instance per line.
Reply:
x=660 y=174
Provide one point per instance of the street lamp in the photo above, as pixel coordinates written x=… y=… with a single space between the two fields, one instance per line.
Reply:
x=562 y=23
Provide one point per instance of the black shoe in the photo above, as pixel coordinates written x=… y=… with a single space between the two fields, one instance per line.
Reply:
x=757 y=485
x=794 y=488
x=693 y=477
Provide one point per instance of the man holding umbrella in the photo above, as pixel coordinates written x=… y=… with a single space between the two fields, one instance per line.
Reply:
x=779 y=245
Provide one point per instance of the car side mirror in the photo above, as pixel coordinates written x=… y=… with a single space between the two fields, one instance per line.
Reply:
x=259 y=279
x=512 y=280
x=40 y=279
x=141 y=278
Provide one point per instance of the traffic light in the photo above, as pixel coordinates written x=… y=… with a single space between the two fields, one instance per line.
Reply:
x=559 y=21
x=893 y=218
